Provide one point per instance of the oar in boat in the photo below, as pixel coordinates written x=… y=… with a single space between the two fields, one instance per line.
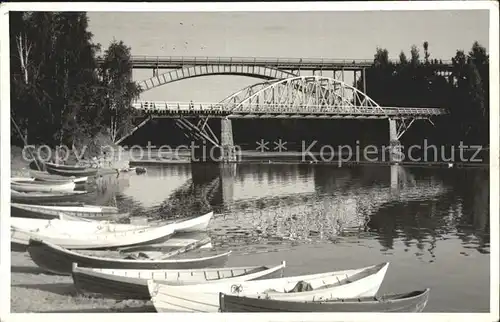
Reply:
x=157 y=255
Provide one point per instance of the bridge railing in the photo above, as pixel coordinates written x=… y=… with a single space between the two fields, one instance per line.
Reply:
x=176 y=106
x=275 y=61
x=275 y=108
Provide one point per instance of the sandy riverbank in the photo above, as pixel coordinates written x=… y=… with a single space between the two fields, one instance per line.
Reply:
x=33 y=290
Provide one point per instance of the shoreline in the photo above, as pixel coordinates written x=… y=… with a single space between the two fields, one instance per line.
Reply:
x=340 y=163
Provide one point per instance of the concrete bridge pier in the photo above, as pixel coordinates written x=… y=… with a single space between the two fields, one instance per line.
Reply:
x=395 y=149
x=209 y=147
x=228 y=149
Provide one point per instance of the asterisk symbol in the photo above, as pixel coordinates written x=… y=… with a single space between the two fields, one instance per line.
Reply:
x=280 y=145
x=262 y=146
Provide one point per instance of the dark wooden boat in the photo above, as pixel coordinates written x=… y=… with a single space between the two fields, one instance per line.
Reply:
x=133 y=283
x=65 y=166
x=44 y=197
x=85 y=172
x=59 y=260
x=45 y=176
x=405 y=302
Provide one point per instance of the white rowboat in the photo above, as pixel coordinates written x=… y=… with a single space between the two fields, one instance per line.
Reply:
x=74 y=234
x=29 y=185
x=205 y=297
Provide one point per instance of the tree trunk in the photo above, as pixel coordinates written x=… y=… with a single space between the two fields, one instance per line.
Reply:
x=23 y=49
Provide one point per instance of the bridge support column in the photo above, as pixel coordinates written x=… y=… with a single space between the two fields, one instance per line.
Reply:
x=394 y=143
x=228 y=149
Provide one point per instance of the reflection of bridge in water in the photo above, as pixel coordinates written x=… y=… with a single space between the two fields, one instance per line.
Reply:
x=222 y=182
x=415 y=206
x=410 y=205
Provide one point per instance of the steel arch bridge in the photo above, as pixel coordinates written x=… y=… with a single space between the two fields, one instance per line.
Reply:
x=301 y=95
x=294 y=97
x=261 y=72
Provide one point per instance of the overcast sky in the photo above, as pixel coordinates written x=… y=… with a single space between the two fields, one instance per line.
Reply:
x=352 y=35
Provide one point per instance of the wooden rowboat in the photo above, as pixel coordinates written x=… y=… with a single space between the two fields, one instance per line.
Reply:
x=60 y=260
x=51 y=212
x=132 y=283
x=44 y=197
x=45 y=176
x=205 y=297
x=71 y=234
x=65 y=166
x=85 y=172
x=85 y=234
x=29 y=185
x=405 y=302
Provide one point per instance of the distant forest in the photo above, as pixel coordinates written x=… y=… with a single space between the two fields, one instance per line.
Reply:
x=61 y=95
x=416 y=82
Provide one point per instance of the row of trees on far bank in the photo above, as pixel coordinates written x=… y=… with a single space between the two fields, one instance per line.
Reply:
x=59 y=92
x=417 y=81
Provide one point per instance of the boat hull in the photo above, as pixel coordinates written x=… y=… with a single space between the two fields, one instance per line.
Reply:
x=41 y=186
x=87 y=172
x=45 y=176
x=58 y=260
x=41 y=198
x=64 y=166
x=90 y=281
x=195 y=224
x=403 y=303
x=51 y=212
x=85 y=234
x=205 y=298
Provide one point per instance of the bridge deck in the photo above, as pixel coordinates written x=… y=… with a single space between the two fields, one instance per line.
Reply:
x=177 y=109
x=173 y=62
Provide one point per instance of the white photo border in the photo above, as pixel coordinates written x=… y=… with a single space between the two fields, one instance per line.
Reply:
x=5 y=171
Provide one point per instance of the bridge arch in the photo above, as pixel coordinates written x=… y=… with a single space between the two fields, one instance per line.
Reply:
x=261 y=72
x=312 y=93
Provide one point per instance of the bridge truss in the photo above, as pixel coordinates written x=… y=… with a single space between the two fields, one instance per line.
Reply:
x=305 y=97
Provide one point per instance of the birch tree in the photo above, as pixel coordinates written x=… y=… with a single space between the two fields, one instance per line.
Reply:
x=119 y=90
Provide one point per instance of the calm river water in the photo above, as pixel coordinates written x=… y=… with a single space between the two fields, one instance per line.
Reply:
x=431 y=224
